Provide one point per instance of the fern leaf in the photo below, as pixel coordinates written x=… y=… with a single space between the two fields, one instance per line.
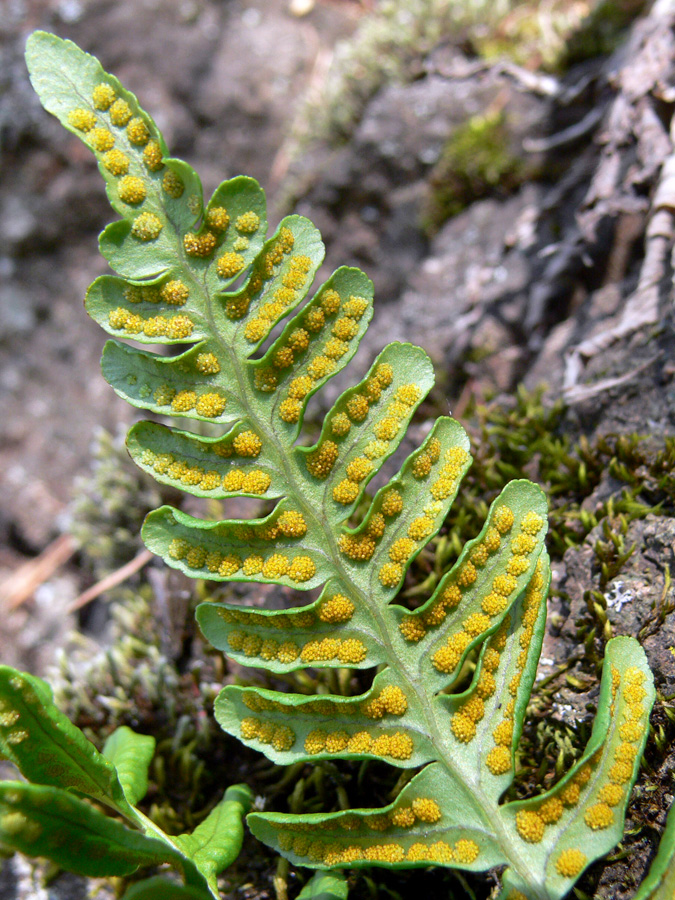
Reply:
x=209 y=277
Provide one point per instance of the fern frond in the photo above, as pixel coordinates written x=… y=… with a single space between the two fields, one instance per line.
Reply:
x=209 y=277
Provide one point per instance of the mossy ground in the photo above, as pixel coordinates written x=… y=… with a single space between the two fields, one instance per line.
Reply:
x=141 y=682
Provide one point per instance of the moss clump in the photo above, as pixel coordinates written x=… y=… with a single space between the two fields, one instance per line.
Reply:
x=476 y=161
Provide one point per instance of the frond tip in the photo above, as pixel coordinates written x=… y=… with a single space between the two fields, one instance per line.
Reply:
x=252 y=347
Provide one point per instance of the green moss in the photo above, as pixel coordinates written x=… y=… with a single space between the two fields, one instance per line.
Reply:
x=475 y=162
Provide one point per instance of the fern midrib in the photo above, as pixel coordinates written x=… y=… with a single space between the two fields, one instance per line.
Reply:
x=489 y=809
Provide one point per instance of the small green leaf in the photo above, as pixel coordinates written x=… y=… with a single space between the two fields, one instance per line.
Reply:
x=159 y=888
x=325 y=886
x=660 y=881
x=50 y=822
x=130 y=754
x=46 y=747
x=216 y=843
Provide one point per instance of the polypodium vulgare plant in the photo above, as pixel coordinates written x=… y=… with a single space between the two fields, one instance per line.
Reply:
x=207 y=276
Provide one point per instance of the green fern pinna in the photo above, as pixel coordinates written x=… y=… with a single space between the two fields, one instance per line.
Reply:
x=208 y=276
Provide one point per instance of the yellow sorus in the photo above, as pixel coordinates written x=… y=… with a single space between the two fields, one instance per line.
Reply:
x=357 y=408
x=229 y=566
x=251 y=645
x=314 y=320
x=283 y=738
x=412 y=629
x=503 y=733
x=403 y=817
x=217 y=218
x=498 y=760
x=138 y=132
x=463 y=728
x=300 y=387
x=82 y=119
x=345 y=329
x=336 y=741
x=247 y=443
x=611 y=794
x=359 y=469
x=426 y=809
x=207 y=364
x=447 y=658
x=330 y=302
x=422 y=466
x=372 y=390
x=620 y=772
x=504 y=585
x=451 y=596
x=230 y=264
x=599 y=816
x=321 y=461
x=320 y=367
x=375 y=449
x=386 y=429
x=390 y=574
x=345 y=492
x=625 y=752
x=234 y=480
x=256 y=482
x=131 y=189
x=288 y=652
x=292 y=524
x=392 y=503
x=293 y=280
x=178 y=327
x=532 y=523
x=101 y=139
x=493 y=604
x=183 y=401
x=570 y=863
x=164 y=395
x=465 y=851
x=530 y=826
x=210 y=405
x=491 y=660
x=340 y=424
x=196 y=557
x=384 y=374
x=359 y=547
x=275 y=566
x=103 y=96
x=199 y=245
x=256 y=329
x=174 y=292
x=120 y=113
x=517 y=566
x=631 y=731
x=247 y=222
x=337 y=608
x=116 y=162
x=352 y=651
x=210 y=481
x=335 y=349
x=523 y=543
x=302 y=569
x=408 y=394
x=271 y=311
x=467 y=575
x=492 y=540
x=147 y=226
x=476 y=624
x=503 y=519
x=355 y=307
x=152 y=156
x=253 y=565
x=570 y=794
x=289 y=411
x=474 y=708
x=401 y=550
x=420 y=528
x=634 y=693
x=283 y=358
x=172 y=185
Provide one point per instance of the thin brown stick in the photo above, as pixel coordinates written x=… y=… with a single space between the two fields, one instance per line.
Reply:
x=110 y=581
x=23 y=582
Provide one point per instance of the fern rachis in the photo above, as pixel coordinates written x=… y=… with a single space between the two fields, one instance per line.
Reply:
x=207 y=276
